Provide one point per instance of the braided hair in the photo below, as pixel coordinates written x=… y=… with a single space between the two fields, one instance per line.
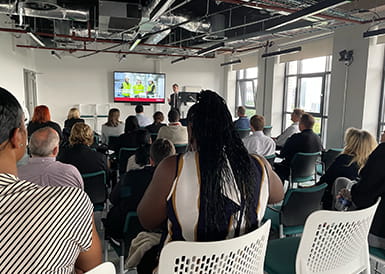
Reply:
x=222 y=157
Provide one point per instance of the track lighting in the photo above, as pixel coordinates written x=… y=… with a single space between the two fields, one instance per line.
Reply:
x=281 y=52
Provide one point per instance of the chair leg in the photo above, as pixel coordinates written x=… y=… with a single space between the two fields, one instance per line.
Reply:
x=281 y=232
x=106 y=246
x=121 y=264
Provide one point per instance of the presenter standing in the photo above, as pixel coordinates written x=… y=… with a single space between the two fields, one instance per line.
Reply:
x=174 y=101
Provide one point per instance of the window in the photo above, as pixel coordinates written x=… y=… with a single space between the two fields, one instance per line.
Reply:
x=381 y=121
x=246 y=88
x=307 y=84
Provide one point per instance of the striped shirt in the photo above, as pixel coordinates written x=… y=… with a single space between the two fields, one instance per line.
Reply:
x=42 y=229
x=184 y=203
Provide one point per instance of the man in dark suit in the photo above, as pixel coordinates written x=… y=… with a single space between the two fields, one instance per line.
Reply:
x=305 y=141
x=174 y=100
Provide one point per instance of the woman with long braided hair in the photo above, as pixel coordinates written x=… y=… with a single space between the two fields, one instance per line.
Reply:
x=214 y=191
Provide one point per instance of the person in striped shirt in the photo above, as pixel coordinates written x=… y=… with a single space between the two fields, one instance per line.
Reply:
x=42 y=229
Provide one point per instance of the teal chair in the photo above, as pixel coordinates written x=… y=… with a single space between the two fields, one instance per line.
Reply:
x=267 y=130
x=289 y=218
x=270 y=158
x=124 y=154
x=378 y=256
x=95 y=185
x=243 y=133
x=180 y=148
x=333 y=242
x=303 y=168
x=327 y=158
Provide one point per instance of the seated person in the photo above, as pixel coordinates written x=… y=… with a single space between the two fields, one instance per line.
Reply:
x=72 y=118
x=206 y=187
x=133 y=136
x=44 y=229
x=258 y=143
x=43 y=169
x=79 y=152
x=305 y=141
x=292 y=129
x=368 y=189
x=143 y=120
x=42 y=118
x=358 y=146
x=113 y=127
x=174 y=132
x=137 y=181
x=157 y=124
x=243 y=121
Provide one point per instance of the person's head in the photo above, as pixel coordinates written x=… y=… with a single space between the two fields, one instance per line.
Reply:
x=73 y=113
x=158 y=117
x=175 y=88
x=41 y=114
x=359 y=144
x=131 y=124
x=138 y=82
x=113 y=117
x=150 y=82
x=44 y=142
x=160 y=149
x=306 y=122
x=296 y=114
x=257 y=122
x=212 y=134
x=126 y=79
x=173 y=116
x=81 y=133
x=13 y=134
x=139 y=109
x=241 y=111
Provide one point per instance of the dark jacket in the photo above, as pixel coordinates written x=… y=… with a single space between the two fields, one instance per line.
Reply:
x=134 y=138
x=305 y=141
x=154 y=128
x=371 y=186
x=339 y=168
x=83 y=158
x=33 y=126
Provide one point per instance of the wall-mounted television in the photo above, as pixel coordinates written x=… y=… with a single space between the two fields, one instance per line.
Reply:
x=139 y=87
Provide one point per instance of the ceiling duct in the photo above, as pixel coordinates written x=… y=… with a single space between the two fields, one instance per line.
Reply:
x=217 y=24
x=49 y=10
x=157 y=8
x=8 y=8
x=118 y=16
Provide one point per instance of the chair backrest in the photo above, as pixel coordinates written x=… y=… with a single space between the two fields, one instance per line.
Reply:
x=95 y=186
x=303 y=166
x=104 y=268
x=270 y=159
x=132 y=227
x=113 y=142
x=124 y=154
x=267 y=130
x=180 y=148
x=241 y=255
x=299 y=203
x=243 y=133
x=153 y=136
x=335 y=242
x=328 y=156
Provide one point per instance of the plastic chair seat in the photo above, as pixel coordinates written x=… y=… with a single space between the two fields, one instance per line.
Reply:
x=378 y=252
x=284 y=249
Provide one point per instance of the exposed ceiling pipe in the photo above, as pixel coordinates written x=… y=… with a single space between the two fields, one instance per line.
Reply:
x=72 y=50
x=289 y=10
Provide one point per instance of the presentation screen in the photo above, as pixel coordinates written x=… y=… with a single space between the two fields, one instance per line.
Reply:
x=139 y=87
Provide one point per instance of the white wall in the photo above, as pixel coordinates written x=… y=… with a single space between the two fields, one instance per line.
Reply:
x=13 y=60
x=70 y=81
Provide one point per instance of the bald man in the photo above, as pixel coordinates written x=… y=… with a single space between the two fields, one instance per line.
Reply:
x=43 y=169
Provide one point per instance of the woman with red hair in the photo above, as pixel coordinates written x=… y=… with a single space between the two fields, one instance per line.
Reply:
x=42 y=118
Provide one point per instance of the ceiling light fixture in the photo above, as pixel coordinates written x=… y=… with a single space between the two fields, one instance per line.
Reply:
x=306 y=12
x=231 y=62
x=56 y=55
x=178 y=60
x=210 y=49
x=371 y=33
x=281 y=52
x=35 y=38
x=137 y=41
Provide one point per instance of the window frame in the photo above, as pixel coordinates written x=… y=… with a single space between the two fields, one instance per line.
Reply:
x=381 y=115
x=242 y=94
x=325 y=90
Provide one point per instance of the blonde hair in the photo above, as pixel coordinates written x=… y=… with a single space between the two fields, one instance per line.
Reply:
x=359 y=144
x=73 y=113
x=81 y=133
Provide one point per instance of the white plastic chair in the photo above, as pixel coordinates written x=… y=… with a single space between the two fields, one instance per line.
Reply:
x=104 y=268
x=241 y=255
x=332 y=243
